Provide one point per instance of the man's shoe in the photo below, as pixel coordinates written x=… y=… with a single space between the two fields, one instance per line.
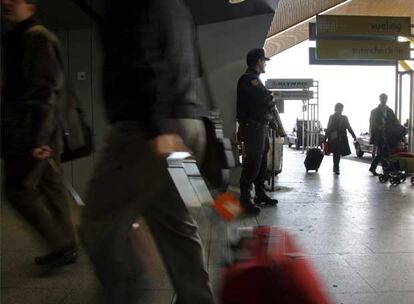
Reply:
x=373 y=172
x=250 y=208
x=58 y=258
x=336 y=172
x=265 y=200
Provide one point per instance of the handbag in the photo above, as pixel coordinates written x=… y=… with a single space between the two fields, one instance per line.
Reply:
x=78 y=141
x=325 y=148
x=83 y=150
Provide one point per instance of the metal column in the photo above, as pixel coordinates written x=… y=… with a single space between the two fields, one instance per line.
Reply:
x=399 y=101
x=398 y=110
x=308 y=133
x=396 y=87
x=411 y=118
x=305 y=107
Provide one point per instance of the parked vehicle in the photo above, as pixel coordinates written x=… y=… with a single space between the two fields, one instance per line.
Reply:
x=295 y=138
x=362 y=145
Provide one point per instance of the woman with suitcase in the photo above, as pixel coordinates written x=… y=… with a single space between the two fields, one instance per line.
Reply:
x=337 y=136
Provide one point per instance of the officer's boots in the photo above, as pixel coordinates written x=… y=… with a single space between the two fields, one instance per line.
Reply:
x=247 y=203
x=262 y=198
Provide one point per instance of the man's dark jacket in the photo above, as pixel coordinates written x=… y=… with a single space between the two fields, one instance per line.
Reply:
x=32 y=79
x=150 y=63
x=378 y=123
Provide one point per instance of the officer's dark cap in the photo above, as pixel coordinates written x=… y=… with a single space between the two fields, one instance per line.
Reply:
x=254 y=55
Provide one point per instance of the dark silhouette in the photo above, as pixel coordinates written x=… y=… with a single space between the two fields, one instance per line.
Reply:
x=31 y=133
x=337 y=137
x=150 y=65
x=382 y=117
x=254 y=113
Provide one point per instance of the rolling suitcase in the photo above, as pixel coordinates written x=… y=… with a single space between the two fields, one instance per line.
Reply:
x=313 y=159
x=271 y=269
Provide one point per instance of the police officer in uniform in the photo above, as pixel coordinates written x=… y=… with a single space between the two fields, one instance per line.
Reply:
x=254 y=112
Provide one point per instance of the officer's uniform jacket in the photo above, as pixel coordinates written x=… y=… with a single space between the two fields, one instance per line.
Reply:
x=254 y=101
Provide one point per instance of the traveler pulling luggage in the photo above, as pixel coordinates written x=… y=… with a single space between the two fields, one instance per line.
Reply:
x=271 y=269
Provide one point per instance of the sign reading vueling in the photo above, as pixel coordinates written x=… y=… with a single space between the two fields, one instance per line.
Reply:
x=333 y=25
x=362 y=49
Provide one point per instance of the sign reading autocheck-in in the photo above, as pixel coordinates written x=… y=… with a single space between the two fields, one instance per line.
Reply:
x=368 y=49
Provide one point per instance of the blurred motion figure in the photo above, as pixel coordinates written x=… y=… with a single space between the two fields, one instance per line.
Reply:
x=32 y=86
x=149 y=73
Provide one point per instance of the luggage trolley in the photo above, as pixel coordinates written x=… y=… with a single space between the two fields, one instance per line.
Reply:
x=399 y=165
x=314 y=154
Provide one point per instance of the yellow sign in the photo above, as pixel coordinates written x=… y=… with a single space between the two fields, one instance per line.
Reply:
x=362 y=49
x=333 y=25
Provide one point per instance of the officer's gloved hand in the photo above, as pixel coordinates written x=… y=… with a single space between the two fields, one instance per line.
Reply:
x=281 y=132
x=273 y=125
x=269 y=97
x=269 y=117
x=271 y=104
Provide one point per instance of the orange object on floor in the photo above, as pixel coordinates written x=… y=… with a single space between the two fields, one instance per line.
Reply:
x=227 y=206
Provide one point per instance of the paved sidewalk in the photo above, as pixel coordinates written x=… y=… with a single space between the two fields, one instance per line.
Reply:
x=358 y=232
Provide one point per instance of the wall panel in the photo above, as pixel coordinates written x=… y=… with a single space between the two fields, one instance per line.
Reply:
x=80 y=54
x=63 y=37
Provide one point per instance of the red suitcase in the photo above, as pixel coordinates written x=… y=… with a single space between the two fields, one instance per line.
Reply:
x=275 y=271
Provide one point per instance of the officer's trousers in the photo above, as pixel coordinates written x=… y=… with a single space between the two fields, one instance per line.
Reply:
x=129 y=182
x=256 y=146
x=44 y=203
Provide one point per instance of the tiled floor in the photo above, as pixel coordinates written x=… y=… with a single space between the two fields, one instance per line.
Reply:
x=358 y=232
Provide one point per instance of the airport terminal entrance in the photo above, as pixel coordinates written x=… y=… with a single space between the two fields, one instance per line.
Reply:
x=307 y=131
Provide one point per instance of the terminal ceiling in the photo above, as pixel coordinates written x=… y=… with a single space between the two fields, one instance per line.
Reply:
x=288 y=28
